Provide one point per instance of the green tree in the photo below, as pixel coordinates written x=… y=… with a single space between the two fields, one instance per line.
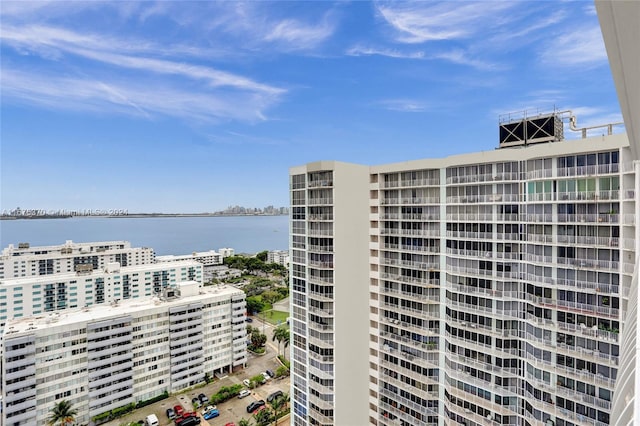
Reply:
x=254 y=304
x=62 y=413
x=244 y=422
x=262 y=255
x=270 y=296
x=257 y=338
x=281 y=333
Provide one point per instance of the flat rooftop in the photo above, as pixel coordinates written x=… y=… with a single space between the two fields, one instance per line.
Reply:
x=105 y=310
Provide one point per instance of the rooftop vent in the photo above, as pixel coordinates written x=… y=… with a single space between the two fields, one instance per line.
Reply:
x=518 y=129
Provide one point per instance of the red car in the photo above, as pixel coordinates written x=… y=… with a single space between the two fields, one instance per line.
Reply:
x=178 y=410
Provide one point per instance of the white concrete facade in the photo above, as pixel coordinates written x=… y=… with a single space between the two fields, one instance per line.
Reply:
x=621 y=32
x=27 y=261
x=329 y=293
x=27 y=296
x=494 y=283
x=207 y=258
x=108 y=356
x=281 y=257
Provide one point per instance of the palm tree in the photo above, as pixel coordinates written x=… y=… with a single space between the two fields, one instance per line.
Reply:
x=279 y=405
x=280 y=333
x=263 y=417
x=62 y=413
x=286 y=343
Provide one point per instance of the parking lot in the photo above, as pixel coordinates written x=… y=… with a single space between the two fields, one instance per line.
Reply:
x=231 y=411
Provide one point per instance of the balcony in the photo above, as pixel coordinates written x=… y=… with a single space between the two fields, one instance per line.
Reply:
x=599 y=169
x=320 y=201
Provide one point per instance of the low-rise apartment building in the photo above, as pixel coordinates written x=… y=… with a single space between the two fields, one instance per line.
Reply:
x=27 y=261
x=107 y=356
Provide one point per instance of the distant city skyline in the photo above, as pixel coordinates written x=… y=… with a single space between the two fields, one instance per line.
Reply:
x=195 y=106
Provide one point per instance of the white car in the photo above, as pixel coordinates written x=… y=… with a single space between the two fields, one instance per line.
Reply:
x=266 y=376
x=244 y=393
x=246 y=382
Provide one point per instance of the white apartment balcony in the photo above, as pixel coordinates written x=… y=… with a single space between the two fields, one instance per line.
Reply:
x=316 y=279
x=417 y=313
x=323 y=297
x=482 y=198
x=470 y=217
x=471 y=235
x=320 y=249
x=539 y=174
x=321 y=418
x=589 y=218
x=322 y=343
x=410 y=264
x=425 y=411
x=27 y=383
x=420 y=297
x=320 y=232
x=573 y=395
x=503 y=410
x=419 y=182
x=323 y=328
x=469 y=307
x=593 y=355
x=600 y=169
x=319 y=201
x=321 y=311
x=589 y=263
x=410 y=232
x=411 y=248
x=320 y=217
x=603 y=311
x=409 y=342
x=420 y=217
x=410 y=280
x=485 y=177
x=604 y=335
x=321 y=265
x=321 y=358
x=586 y=376
x=320 y=183
x=399 y=414
x=408 y=372
x=430 y=362
x=589 y=240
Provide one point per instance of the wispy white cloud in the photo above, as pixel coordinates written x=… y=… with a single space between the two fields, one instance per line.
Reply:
x=298 y=35
x=129 y=97
x=391 y=53
x=404 y=105
x=582 y=46
x=460 y=57
x=418 y=22
x=204 y=84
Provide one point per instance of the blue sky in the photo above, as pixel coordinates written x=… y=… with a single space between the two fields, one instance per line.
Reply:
x=194 y=106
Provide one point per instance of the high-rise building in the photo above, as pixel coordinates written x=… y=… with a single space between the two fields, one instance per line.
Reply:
x=27 y=261
x=107 y=356
x=476 y=289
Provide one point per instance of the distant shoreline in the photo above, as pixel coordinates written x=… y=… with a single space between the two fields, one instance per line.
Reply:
x=140 y=215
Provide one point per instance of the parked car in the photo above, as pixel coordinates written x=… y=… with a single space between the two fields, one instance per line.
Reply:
x=255 y=405
x=246 y=382
x=178 y=410
x=244 y=393
x=273 y=396
x=171 y=414
x=195 y=402
x=209 y=407
x=211 y=414
x=247 y=319
x=270 y=373
x=266 y=376
x=203 y=398
x=188 y=421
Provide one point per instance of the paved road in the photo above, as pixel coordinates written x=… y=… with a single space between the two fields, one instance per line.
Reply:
x=232 y=410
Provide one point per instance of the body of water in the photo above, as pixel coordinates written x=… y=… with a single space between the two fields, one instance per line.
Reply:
x=166 y=235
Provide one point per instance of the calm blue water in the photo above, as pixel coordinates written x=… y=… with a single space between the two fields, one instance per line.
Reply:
x=166 y=235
